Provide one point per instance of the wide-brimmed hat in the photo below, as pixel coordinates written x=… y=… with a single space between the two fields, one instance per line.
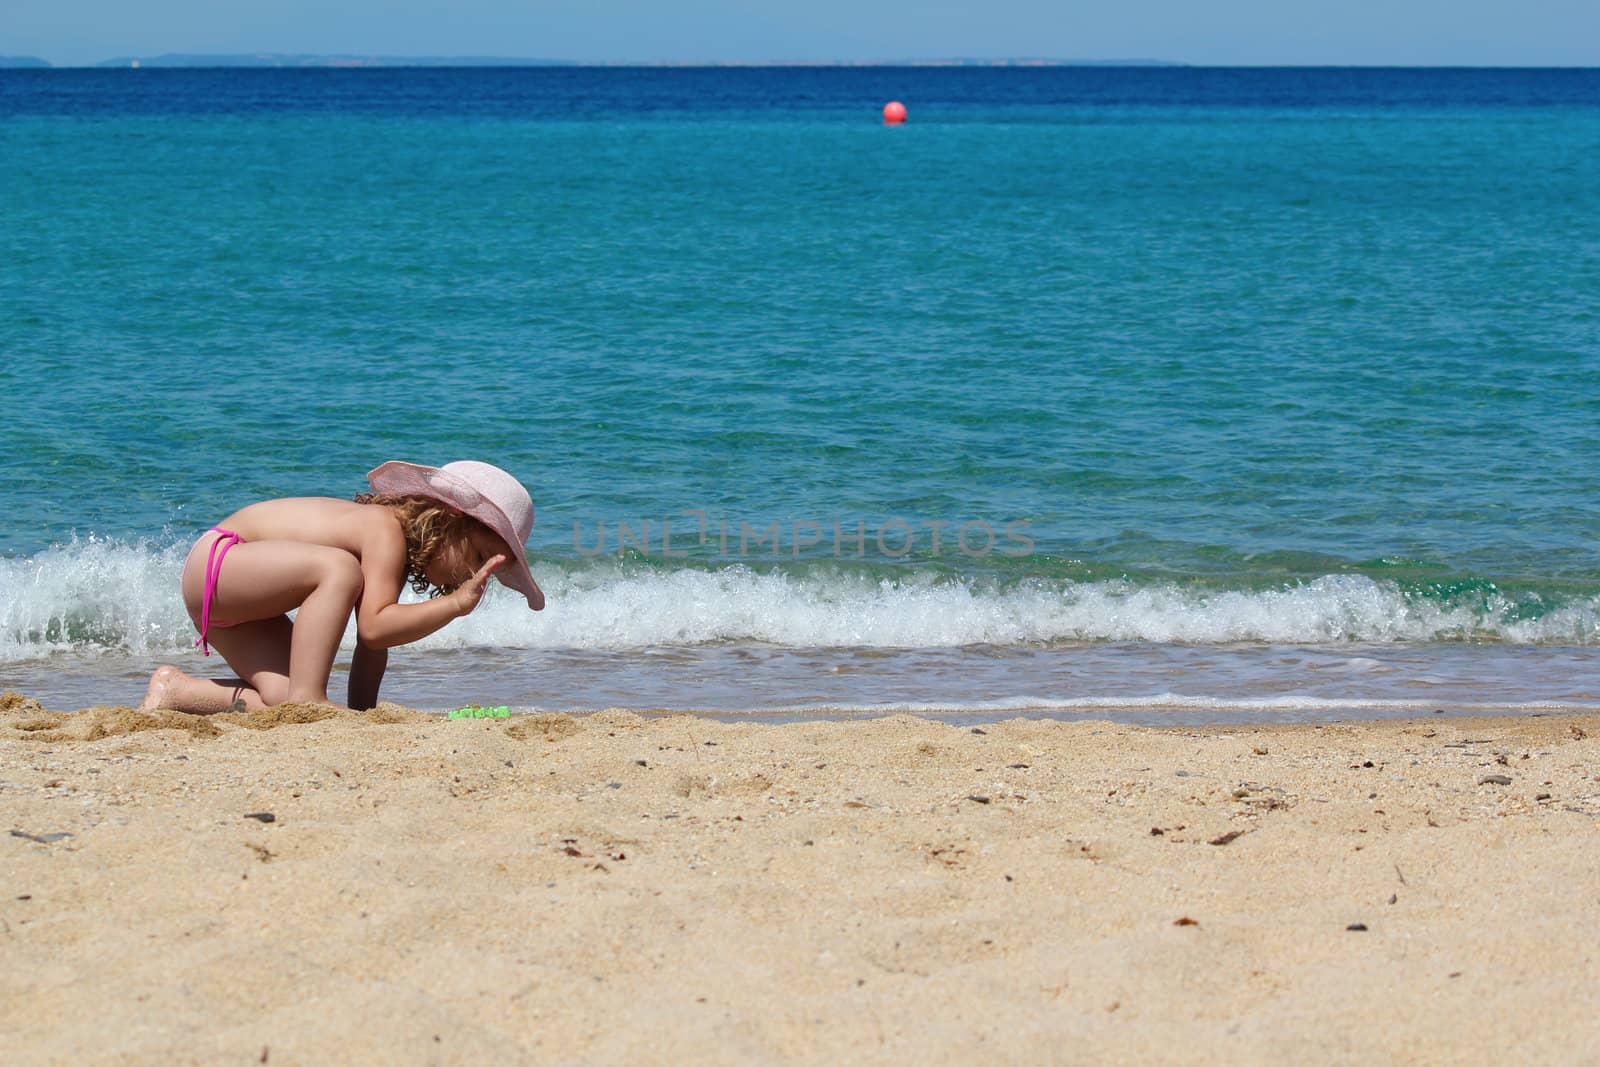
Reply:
x=483 y=491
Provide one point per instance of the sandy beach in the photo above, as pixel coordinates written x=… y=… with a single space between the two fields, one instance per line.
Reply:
x=303 y=886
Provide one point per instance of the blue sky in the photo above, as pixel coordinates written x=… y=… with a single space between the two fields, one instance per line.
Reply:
x=1248 y=32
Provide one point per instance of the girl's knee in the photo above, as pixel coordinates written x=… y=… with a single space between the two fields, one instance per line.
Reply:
x=269 y=690
x=342 y=572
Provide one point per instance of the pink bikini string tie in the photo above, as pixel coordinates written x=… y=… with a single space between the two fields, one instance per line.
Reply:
x=219 y=550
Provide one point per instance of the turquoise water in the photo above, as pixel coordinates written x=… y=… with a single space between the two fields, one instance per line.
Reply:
x=1239 y=370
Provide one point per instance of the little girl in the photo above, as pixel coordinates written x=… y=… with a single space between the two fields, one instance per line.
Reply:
x=443 y=529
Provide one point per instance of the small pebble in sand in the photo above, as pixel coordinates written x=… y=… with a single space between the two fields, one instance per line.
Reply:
x=1357 y=927
x=261 y=816
x=1494 y=779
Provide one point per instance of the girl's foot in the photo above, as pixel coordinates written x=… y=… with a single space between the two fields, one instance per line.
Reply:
x=160 y=682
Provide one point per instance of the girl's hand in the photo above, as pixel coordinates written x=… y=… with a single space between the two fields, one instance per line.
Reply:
x=470 y=592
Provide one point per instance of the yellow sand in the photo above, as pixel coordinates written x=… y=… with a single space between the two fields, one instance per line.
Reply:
x=626 y=889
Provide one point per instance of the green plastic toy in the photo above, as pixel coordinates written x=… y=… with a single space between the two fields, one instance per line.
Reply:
x=478 y=711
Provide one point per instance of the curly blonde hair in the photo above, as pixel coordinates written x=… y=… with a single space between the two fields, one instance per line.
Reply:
x=428 y=525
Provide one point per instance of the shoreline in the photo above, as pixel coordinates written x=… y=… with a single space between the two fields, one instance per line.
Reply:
x=625 y=886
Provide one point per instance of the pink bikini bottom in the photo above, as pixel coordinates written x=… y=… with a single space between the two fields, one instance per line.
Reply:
x=219 y=549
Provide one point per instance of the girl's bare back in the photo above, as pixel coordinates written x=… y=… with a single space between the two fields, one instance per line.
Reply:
x=316 y=520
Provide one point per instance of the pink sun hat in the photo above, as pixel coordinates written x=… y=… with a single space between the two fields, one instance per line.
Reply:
x=482 y=491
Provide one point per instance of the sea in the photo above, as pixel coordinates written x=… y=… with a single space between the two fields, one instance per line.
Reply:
x=1156 y=394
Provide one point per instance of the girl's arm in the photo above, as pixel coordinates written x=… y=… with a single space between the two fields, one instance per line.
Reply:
x=366 y=675
x=381 y=620
x=400 y=624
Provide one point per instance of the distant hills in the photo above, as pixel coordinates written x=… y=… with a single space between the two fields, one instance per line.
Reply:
x=278 y=59
x=286 y=60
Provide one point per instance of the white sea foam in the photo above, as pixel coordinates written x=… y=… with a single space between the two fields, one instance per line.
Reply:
x=830 y=609
x=1246 y=709
x=97 y=595
x=92 y=595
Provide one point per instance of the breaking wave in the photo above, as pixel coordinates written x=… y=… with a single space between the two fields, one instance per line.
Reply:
x=113 y=596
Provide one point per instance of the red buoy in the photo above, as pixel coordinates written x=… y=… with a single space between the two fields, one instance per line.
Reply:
x=894 y=113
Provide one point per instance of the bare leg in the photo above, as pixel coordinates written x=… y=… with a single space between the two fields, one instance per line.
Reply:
x=318 y=627
x=170 y=688
x=259 y=651
x=261 y=580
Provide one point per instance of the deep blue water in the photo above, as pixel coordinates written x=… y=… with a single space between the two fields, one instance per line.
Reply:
x=1245 y=365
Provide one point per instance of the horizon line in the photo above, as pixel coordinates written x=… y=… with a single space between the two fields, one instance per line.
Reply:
x=356 y=61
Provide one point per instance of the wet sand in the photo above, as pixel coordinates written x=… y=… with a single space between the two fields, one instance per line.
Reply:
x=299 y=886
